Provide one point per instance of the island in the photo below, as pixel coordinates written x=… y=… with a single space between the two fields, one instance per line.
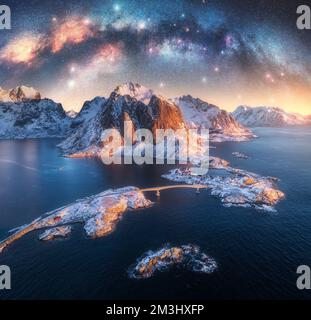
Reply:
x=188 y=257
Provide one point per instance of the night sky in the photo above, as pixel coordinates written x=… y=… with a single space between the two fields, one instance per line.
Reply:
x=227 y=52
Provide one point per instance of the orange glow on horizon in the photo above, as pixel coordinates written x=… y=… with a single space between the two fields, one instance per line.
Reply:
x=295 y=100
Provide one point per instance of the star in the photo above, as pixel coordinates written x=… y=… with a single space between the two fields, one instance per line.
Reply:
x=141 y=25
x=72 y=69
x=71 y=84
x=87 y=21
x=270 y=78
x=116 y=7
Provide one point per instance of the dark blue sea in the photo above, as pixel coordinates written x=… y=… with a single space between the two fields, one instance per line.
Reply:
x=257 y=252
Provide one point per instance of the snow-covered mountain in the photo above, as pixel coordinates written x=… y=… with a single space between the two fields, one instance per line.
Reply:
x=131 y=102
x=23 y=114
x=88 y=111
x=268 y=117
x=71 y=114
x=200 y=114
x=18 y=94
x=86 y=129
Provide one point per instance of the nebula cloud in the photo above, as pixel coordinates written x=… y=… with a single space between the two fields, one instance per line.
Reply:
x=23 y=49
x=72 y=30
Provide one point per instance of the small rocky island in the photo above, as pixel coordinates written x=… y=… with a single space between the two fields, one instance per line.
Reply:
x=55 y=233
x=240 y=155
x=188 y=257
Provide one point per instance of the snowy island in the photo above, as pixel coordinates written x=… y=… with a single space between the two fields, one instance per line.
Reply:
x=99 y=214
x=235 y=187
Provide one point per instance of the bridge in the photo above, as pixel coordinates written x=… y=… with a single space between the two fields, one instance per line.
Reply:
x=176 y=186
x=33 y=225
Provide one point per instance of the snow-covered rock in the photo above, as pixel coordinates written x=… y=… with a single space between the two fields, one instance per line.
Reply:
x=240 y=155
x=218 y=163
x=71 y=114
x=268 y=117
x=188 y=257
x=200 y=114
x=53 y=233
x=135 y=90
x=99 y=214
x=32 y=119
x=88 y=111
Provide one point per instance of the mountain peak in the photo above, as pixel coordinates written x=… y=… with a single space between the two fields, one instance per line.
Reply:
x=135 y=90
x=197 y=103
x=265 y=116
x=71 y=114
x=18 y=94
x=201 y=114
